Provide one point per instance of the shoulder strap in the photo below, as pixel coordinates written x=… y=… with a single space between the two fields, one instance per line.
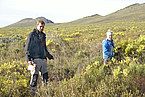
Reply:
x=43 y=46
x=42 y=43
x=112 y=44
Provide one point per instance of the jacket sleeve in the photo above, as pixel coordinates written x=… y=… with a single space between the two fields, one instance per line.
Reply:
x=105 y=50
x=27 y=48
x=47 y=53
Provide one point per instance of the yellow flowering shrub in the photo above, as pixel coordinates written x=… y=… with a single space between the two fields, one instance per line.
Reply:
x=14 y=79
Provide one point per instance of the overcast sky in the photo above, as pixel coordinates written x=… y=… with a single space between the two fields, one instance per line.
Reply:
x=59 y=11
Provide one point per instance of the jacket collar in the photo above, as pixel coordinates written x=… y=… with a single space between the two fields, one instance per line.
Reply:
x=109 y=40
x=36 y=31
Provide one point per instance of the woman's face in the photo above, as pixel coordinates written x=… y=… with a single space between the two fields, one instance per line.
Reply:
x=110 y=37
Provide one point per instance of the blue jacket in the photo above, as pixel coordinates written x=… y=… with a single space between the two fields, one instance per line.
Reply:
x=108 y=47
x=34 y=47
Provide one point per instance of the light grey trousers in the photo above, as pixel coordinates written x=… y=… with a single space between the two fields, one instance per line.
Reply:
x=41 y=66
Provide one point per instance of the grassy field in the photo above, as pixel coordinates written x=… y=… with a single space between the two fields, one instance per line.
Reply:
x=78 y=68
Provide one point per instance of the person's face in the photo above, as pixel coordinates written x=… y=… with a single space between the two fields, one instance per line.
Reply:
x=110 y=37
x=40 y=27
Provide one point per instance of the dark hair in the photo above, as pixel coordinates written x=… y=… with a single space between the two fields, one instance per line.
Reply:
x=40 y=21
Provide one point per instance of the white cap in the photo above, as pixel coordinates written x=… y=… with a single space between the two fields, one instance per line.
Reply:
x=109 y=32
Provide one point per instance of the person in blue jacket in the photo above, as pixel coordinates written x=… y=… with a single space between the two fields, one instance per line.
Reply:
x=108 y=47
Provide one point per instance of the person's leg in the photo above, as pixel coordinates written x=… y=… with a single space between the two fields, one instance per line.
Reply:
x=45 y=79
x=44 y=73
x=34 y=77
x=33 y=83
x=105 y=61
x=107 y=67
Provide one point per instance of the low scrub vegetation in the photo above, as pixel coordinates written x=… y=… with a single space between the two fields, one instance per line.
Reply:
x=78 y=68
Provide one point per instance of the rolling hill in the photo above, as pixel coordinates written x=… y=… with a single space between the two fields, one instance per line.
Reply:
x=28 y=22
x=132 y=13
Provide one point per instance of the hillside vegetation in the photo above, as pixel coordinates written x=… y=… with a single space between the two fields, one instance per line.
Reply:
x=78 y=68
x=132 y=13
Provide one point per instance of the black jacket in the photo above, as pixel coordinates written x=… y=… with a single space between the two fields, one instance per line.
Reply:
x=34 y=47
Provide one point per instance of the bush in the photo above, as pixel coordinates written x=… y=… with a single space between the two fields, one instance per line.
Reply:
x=14 y=79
